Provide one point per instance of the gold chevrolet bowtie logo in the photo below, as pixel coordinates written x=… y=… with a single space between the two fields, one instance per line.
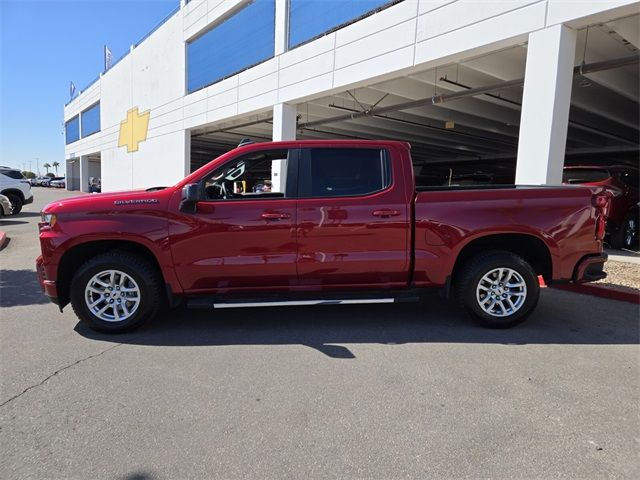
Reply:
x=133 y=130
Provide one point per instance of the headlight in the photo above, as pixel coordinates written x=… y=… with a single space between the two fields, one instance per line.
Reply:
x=48 y=219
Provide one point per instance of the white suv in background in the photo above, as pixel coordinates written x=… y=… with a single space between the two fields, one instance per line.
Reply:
x=15 y=187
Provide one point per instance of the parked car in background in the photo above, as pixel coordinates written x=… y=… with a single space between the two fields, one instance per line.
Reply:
x=57 y=182
x=46 y=181
x=15 y=187
x=621 y=182
x=5 y=206
x=37 y=182
x=95 y=185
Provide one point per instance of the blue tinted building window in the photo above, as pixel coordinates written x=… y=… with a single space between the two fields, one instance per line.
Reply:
x=309 y=19
x=90 y=120
x=72 y=130
x=244 y=39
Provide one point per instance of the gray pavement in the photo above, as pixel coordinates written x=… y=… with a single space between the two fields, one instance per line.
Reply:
x=408 y=391
x=624 y=256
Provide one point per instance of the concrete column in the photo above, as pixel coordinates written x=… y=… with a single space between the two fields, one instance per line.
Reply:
x=282 y=26
x=545 y=106
x=68 y=174
x=84 y=174
x=284 y=122
x=187 y=152
x=284 y=128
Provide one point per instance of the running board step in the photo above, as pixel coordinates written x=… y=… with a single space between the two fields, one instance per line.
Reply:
x=218 y=303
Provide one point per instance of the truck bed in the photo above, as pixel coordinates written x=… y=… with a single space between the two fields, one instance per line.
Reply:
x=449 y=218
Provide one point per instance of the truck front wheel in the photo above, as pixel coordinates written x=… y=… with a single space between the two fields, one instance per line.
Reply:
x=498 y=289
x=115 y=292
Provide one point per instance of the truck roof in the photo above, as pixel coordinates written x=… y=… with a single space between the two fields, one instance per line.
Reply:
x=330 y=142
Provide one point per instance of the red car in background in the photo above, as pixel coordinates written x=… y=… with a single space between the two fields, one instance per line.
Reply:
x=622 y=182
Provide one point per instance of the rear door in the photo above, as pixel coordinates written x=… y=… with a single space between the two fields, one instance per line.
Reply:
x=353 y=218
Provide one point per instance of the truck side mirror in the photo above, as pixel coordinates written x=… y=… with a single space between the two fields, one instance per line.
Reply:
x=190 y=198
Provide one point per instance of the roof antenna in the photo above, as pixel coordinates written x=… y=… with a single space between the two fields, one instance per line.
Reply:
x=245 y=141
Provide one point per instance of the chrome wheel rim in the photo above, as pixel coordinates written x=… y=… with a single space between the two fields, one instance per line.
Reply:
x=501 y=292
x=112 y=296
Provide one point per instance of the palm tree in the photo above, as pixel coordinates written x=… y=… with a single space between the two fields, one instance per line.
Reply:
x=47 y=166
x=56 y=165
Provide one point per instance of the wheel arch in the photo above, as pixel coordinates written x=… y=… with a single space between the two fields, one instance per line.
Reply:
x=77 y=255
x=529 y=247
x=13 y=191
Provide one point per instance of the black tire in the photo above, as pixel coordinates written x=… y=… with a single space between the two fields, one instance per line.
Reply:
x=473 y=272
x=16 y=203
x=627 y=235
x=145 y=275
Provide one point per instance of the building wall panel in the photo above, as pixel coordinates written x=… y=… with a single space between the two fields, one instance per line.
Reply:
x=407 y=37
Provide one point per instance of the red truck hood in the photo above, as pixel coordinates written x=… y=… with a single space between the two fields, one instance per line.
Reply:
x=101 y=201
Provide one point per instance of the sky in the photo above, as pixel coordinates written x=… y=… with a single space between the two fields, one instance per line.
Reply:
x=46 y=44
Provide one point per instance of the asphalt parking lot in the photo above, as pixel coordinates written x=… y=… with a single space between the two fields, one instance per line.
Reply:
x=384 y=391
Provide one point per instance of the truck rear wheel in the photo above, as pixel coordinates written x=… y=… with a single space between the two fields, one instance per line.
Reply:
x=498 y=289
x=115 y=292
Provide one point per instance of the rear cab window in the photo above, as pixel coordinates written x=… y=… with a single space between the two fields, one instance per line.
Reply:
x=584 y=175
x=343 y=172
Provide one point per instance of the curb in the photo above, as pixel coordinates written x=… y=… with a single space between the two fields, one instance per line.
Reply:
x=610 y=293
x=3 y=239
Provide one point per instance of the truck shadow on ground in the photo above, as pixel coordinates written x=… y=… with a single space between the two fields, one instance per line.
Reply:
x=7 y=222
x=20 y=287
x=24 y=214
x=561 y=318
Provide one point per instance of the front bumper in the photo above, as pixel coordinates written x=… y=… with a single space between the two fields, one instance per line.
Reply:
x=27 y=201
x=48 y=286
x=590 y=269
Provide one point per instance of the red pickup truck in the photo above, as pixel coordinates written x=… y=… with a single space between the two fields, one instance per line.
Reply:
x=316 y=222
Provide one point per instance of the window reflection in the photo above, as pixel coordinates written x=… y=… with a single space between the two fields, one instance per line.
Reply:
x=244 y=39
x=309 y=19
x=72 y=130
x=91 y=120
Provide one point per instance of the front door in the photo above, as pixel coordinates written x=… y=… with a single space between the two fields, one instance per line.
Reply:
x=353 y=219
x=242 y=235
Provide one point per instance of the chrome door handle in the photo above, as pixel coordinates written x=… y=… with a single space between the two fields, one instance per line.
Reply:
x=275 y=216
x=385 y=213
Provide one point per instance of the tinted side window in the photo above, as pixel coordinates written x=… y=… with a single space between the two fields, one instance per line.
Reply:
x=256 y=175
x=343 y=172
x=15 y=174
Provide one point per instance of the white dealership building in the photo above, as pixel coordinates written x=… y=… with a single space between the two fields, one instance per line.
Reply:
x=521 y=85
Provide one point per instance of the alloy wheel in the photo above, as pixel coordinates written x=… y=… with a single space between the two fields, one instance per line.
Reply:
x=112 y=296
x=501 y=292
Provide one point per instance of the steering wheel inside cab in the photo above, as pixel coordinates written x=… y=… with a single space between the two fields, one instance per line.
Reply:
x=219 y=191
x=223 y=185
